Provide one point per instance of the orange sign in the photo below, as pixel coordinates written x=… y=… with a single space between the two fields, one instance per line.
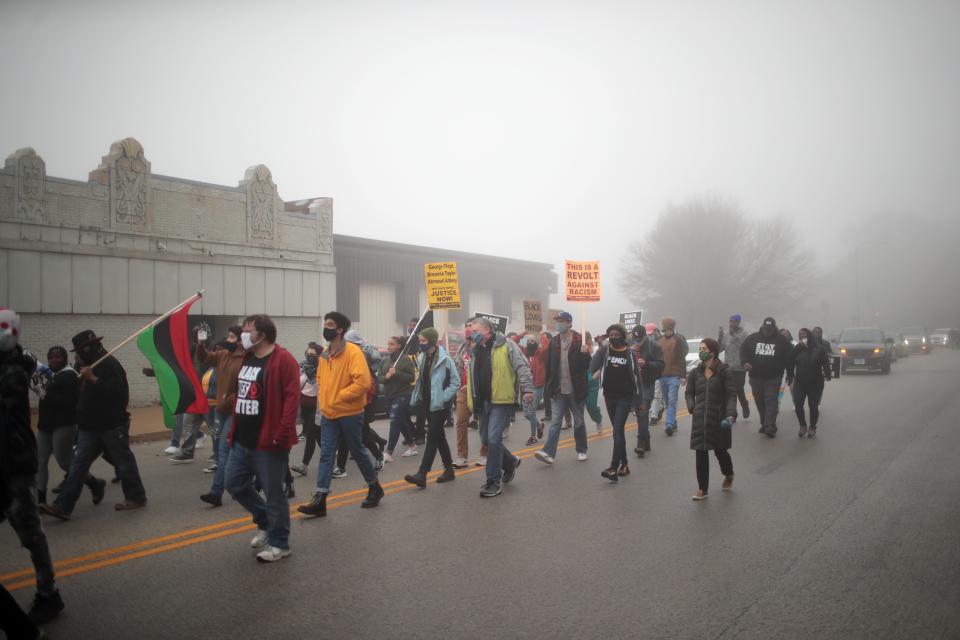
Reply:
x=583 y=281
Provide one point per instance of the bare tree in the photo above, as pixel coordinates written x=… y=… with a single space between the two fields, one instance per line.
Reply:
x=704 y=260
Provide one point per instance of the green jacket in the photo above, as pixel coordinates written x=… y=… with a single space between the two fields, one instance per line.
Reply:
x=402 y=381
x=511 y=374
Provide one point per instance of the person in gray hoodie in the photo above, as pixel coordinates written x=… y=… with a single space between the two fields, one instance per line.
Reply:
x=731 y=342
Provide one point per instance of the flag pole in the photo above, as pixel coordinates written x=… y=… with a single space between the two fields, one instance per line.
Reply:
x=413 y=333
x=190 y=300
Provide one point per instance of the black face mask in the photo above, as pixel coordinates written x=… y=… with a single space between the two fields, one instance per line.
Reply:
x=329 y=334
x=532 y=348
x=619 y=343
x=230 y=346
x=313 y=359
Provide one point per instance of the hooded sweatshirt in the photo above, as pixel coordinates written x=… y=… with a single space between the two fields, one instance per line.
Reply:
x=767 y=352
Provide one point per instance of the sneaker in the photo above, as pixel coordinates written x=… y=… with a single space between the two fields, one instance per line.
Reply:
x=460 y=463
x=511 y=473
x=211 y=469
x=201 y=442
x=473 y=424
x=181 y=458
x=639 y=451
x=301 y=437
x=803 y=431
x=129 y=505
x=624 y=470
x=543 y=456
x=260 y=540
x=387 y=457
x=727 y=482
x=532 y=440
x=171 y=450
x=272 y=554
x=481 y=461
x=53 y=510
x=374 y=495
x=317 y=507
x=490 y=490
x=762 y=429
x=812 y=433
x=771 y=432
x=339 y=473
x=582 y=457
x=447 y=476
x=654 y=421
x=409 y=451
x=419 y=478
x=299 y=469
x=212 y=499
x=700 y=495
x=670 y=430
x=610 y=474
x=45 y=607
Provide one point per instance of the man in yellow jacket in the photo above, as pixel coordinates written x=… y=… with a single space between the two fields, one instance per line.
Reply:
x=343 y=380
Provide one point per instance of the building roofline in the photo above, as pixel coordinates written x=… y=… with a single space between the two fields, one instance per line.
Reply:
x=371 y=243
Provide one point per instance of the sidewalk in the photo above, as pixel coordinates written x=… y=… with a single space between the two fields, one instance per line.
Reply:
x=146 y=424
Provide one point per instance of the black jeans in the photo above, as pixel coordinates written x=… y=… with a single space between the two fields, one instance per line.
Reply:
x=739 y=382
x=703 y=466
x=25 y=520
x=765 y=395
x=436 y=441
x=90 y=444
x=310 y=431
x=619 y=410
x=811 y=392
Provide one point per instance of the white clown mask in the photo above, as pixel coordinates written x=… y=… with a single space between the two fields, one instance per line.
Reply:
x=9 y=329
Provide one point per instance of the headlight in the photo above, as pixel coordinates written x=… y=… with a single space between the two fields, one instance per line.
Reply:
x=843 y=350
x=924 y=340
x=876 y=350
x=906 y=343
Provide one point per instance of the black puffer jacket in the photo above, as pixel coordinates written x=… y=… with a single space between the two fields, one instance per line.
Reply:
x=809 y=364
x=18 y=445
x=709 y=402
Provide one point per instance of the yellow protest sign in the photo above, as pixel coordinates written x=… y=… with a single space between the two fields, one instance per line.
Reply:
x=443 y=285
x=583 y=281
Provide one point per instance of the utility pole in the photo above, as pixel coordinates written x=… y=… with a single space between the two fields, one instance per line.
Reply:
x=856 y=270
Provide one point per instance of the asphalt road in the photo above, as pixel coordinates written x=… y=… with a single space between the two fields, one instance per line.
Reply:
x=853 y=535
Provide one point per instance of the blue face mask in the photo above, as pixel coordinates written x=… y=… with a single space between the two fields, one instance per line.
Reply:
x=425 y=347
x=476 y=337
x=563 y=327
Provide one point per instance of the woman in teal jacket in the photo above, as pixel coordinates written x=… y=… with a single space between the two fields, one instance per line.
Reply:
x=436 y=389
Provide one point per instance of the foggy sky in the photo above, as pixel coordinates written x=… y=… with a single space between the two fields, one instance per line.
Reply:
x=537 y=130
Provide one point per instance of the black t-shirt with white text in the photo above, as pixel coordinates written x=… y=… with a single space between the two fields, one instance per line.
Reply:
x=618 y=376
x=248 y=411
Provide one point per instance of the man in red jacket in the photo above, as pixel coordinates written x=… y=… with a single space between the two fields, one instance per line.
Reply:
x=264 y=431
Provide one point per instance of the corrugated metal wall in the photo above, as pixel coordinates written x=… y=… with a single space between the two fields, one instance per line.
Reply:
x=377 y=305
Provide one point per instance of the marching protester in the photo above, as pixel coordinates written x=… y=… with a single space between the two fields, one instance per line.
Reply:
x=436 y=389
x=731 y=342
x=18 y=471
x=310 y=431
x=188 y=424
x=104 y=428
x=228 y=361
x=765 y=354
x=615 y=367
x=538 y=374
x=657 y=406
x=497 y=378
x=398 y=374
x=675 y=349
x=712 y=402
x=818 y=334
x=568 y=361
x=462 y=410
x=343 y=379
x=264 y=431
x=649 y=357
x=809 y=367
x=57 y=423
x=371 y=439
x=591 y=404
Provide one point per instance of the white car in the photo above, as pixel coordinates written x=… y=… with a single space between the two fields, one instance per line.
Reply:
x=940 y=338
x=693 y=353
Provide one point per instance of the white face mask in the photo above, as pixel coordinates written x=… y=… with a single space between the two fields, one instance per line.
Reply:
x=803 y=341
x=247 y=342
x=9 y=329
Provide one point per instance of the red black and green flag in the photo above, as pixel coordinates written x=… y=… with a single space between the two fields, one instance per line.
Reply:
x=167 y=346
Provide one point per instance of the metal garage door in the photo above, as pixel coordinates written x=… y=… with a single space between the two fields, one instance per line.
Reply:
x=378 y=312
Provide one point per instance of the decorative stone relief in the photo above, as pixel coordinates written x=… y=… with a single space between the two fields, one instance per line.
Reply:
x=262 y=202
x=324 y=207
x=127 y=172
x=30 y=173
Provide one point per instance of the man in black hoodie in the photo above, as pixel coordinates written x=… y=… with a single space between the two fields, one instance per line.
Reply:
x=103 y=424
x=765 y=354
x=18 y=468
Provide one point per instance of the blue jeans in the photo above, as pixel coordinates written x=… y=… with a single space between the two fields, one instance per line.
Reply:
x=560 y=403
x=223 y=453
x=493 y=420
x=90 y=444
x=643 y=413
x=531 y=411
x=214 y=430
x=671 y=387
x=270 y=469
x=350 y=428
x=398 y=408
x=618 y=409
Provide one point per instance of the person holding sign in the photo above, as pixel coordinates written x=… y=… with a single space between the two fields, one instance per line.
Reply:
x=568 y=361
x=436 y=388
x=496 y=374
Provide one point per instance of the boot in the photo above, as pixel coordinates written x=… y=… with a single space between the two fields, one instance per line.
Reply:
x=374 y=495
x=419 y=478
x=98 y=488
x=447 y=476
x=316 y=507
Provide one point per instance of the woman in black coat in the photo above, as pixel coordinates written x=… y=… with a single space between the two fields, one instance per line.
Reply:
x=712 y=401
x=809 y=367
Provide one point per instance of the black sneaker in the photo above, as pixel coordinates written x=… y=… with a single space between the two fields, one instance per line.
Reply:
x=490 y=490
x=448 y=475
x=511 y=473
x=803 y=431
x=316 y=507
x=212 y=499
x=374 y=494
x=812 y=433
x=610 y=474
x=45 y=607
x=181 y=458
x=639 y=451
x=98 y=489
x=419 y=478
x=379 y=464
x=771 y=432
